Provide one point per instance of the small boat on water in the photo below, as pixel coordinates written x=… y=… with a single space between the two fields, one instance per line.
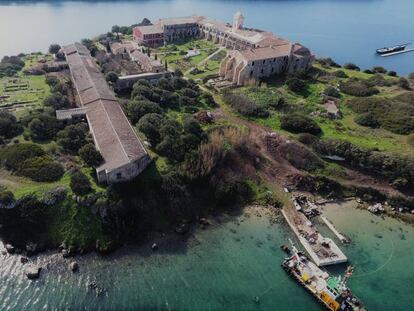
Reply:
x=392 y=49
x=332 y=292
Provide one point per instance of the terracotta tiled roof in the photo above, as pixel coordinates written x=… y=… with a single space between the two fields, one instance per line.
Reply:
x=266 y=52
x=113 y=134
x=150 y=29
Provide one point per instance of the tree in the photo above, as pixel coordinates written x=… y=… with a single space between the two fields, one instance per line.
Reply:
x=165 y=65
x=115 y=28
x=411 y=76
x=136 y=109
x=192 y=126
x=111 y=77
x=54 y=48
x=80 y=184
x=295 y=85
x=90 y=155
x=9 y=127
x=57 y=101
x=150 y=125
x=72 y=137
x=392 y=73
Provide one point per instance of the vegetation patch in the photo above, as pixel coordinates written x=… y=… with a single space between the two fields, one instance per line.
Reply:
x=393 y=115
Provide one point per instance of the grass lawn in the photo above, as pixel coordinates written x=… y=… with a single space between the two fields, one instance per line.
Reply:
x=310 y=101
x=24 y=89
x=174 y=54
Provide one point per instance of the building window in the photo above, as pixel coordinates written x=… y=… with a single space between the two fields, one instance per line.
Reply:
x=118 y=175
x=273 y=69
x=251 y=73
x=261 y=71
x=264 y=61
x=252 y=63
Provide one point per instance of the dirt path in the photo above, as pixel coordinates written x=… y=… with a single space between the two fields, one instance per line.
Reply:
x=277 y=170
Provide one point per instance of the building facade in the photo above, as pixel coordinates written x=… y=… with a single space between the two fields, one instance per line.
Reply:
x=252 y=54
x=125 y=157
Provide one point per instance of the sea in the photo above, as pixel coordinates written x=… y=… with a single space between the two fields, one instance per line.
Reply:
x=346 y=30
x=233 y=265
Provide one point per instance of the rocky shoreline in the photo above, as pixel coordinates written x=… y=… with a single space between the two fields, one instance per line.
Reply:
x=67 y=259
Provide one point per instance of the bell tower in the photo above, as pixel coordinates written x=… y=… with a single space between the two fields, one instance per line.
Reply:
x=238 y=21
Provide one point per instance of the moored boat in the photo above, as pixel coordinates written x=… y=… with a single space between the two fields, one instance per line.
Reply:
x=392 y=49
x=329 y=290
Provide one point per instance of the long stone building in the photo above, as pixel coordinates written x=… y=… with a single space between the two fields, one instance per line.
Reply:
x=252 y=54
x=124 y=155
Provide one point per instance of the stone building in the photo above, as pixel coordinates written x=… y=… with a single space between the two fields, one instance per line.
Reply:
x=146 y=63
x=252 y=54
x=150 y=35
x=124 y=155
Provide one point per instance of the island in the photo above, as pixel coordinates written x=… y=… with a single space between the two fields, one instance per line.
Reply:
x=156 y=127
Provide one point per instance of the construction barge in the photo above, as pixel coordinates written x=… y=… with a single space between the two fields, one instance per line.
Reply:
x=322 y=250
x=332 y=292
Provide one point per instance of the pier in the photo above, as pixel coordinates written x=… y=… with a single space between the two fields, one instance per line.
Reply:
x=322 y=250
x=396 y=53
x=340 y=236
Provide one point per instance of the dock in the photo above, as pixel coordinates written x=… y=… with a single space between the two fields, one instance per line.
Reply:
x=396 y=53
x=322 y=250
x=340 y=236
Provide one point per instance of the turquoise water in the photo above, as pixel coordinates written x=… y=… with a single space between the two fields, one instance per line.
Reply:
x=345 y=30
x=222 y=268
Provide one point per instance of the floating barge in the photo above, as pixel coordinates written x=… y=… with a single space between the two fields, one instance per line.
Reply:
x=322 y=250
x=330 y=291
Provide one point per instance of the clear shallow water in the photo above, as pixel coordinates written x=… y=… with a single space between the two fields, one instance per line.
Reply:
x=347 y=30
x=222 y=268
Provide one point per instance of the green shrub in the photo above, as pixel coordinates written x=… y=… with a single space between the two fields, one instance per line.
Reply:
x=90 y=155
x=80 y=184
x=307 y=139
x=41 y=168
x=301 y=157
x=404 y=83
x=368 y=119
x=389 y=114
x=244 y=105
x=136 y=109
x=111 y=77
x=13 y=156
x=351 y=66
x=295 y=85
x=72 y=137
x=340 y=74
x=9 y=126
x=392 y=73
x=6 y=199
x=43 y=126
x=358 y=88
x=379 y=69
x=298 y=123
x=10 y=65
x=328 y=62
x=57 y=101
x=331 y=91
x=411 y=76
